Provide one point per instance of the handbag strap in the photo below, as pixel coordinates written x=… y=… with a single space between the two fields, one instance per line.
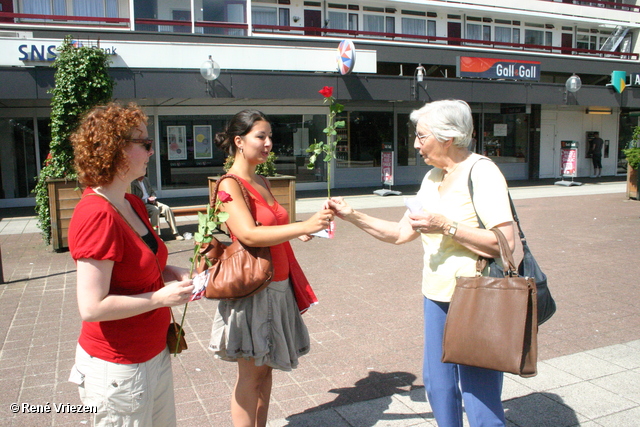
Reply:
x=523 y=239
x=505 y=253
x=245 y=192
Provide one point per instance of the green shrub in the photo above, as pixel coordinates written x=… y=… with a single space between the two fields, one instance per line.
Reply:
x=82 y=81
x=267 y=168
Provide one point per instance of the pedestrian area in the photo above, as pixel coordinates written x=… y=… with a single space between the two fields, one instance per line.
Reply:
x=364 y=368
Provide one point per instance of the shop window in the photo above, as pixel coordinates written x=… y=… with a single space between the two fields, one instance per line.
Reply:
x=361 y=140
x=505 y=137
x=18 y=166
x=188 y=156
x=187 y=153
x=406 y=152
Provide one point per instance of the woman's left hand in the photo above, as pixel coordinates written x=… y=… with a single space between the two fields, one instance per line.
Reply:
x=428 y=222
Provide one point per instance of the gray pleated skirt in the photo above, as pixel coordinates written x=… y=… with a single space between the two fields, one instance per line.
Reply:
x=266 y=327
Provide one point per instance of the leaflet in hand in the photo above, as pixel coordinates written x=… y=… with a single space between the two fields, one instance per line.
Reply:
x=413 y=204
x=199 y=285
x=327 y=233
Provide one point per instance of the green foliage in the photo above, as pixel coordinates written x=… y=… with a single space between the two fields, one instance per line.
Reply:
x=329 y=147
x=632 y=152
x=207 y=225
x=267 y=168
x=633 y=157
x=81 y=81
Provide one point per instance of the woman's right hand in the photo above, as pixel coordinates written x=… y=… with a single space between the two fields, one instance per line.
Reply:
x=339 y=206
x=175 y=293
x=319 y=221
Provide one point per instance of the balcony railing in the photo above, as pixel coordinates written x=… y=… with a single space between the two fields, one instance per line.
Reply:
x=600 y=3
x=239 y=29
x=594 y=3
x=447 y=41
x=29 y=18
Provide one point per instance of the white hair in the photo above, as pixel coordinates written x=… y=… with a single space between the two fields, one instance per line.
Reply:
x=449 y=118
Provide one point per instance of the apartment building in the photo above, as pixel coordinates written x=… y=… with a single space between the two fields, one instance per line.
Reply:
x=516 y=63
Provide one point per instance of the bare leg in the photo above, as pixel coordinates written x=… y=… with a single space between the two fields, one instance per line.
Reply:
x=251 y=395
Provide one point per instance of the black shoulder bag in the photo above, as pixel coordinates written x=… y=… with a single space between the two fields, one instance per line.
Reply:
x=528 y=266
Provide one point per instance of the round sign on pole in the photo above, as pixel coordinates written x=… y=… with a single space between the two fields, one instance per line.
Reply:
x=346 y=57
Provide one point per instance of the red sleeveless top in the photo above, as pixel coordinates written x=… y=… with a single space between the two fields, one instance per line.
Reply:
x=270 y=215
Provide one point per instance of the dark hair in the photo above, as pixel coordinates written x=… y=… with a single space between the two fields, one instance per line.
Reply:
x=240 y=125
x=100 y=141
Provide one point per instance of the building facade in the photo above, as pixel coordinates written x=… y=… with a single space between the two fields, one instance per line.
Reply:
x=512 y=66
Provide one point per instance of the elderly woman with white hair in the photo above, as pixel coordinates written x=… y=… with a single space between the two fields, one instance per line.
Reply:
x=447 y=221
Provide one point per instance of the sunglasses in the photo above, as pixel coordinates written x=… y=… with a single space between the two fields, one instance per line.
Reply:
x=146 y=143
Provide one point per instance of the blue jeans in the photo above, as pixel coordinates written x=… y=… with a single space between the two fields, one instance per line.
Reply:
x=448 y=384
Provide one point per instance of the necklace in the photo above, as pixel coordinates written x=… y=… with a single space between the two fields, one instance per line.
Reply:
x=446 y=174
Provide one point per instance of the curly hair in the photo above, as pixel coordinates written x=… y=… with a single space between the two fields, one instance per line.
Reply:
x=100 y=141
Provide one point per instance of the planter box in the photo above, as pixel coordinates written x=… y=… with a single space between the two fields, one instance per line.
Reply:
x=283 y=188
x=63 y=197
x=632 y=183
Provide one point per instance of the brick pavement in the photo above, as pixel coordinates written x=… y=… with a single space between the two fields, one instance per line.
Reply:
x=365 y=363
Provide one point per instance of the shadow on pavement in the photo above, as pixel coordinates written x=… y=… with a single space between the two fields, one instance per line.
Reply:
x=549 y=410
x=379 y=386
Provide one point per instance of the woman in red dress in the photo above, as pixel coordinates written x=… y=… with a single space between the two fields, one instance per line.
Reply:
x=264 y=331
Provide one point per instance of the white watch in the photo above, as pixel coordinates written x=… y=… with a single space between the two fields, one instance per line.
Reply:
x=452 y=229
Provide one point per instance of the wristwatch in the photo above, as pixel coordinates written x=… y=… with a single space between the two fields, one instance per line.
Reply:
x=453 y=228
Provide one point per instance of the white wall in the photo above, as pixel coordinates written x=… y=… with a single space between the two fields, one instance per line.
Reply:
x=572 y=124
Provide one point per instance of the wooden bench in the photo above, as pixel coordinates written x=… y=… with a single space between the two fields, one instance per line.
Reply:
x=189 y=210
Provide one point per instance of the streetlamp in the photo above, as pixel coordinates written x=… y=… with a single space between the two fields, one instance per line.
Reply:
x=572 y=85
x=209 y=70
x=418 y=77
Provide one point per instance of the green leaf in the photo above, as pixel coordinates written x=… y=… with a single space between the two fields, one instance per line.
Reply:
x=223 y=216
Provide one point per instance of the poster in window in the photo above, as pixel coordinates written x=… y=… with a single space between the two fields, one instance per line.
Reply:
x=202 y=144
x=500 y=129
x=177 y=142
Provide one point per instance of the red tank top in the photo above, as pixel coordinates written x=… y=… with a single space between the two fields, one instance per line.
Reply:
x=270 y=215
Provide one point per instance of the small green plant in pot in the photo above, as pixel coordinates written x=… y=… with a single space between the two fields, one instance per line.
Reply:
x=632 y=152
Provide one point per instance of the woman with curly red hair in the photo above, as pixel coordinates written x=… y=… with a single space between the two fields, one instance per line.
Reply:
x=122 y=361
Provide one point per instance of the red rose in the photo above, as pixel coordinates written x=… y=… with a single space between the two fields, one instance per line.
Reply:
x=224 y=197
x=326 y=91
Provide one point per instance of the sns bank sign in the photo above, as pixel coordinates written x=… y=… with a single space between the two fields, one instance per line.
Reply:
x=491 y=68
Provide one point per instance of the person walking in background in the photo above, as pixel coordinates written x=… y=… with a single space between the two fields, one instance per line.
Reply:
x=263 y=331
x=122 y=364
x=596 y=154
x=446 y=222
x=142 y=188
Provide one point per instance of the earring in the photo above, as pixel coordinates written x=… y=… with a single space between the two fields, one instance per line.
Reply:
x=242 y=152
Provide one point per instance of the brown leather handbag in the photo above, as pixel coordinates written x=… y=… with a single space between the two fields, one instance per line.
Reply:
x=492 y=322
x=175 y=337
x=234 y=270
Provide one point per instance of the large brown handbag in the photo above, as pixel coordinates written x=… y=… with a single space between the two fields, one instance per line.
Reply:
x=235 y=270
x=492 y=322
